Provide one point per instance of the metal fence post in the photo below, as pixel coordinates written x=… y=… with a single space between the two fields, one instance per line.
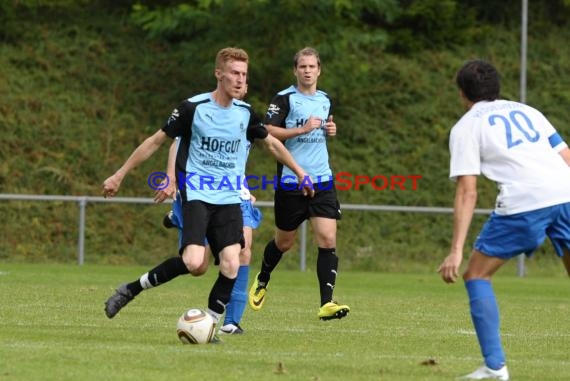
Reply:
x=303 y=247
x=523 y=63
x=81 y=239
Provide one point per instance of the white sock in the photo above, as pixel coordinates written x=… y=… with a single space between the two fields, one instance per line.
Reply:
x=216 y=316
x=145 y=283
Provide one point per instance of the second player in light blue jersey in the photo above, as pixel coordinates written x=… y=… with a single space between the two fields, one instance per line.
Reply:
x=302 y=117
x=302 y=121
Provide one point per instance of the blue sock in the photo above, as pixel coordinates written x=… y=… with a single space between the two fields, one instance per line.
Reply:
x=485 y=316
x=238 y=300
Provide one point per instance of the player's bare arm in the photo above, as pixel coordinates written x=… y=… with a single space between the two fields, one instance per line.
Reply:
x=464 y=207
x=565 y=153
x=170 y=190
x=282 y=134
x=281 y=153
x=145 y=150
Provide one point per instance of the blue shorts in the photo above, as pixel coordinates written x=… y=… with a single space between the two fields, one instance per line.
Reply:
x=176 y=217
x=522 y=233
x=251 y=216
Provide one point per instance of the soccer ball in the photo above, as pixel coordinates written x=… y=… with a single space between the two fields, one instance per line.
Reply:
x=195 y=326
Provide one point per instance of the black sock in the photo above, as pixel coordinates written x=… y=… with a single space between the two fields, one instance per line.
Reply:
x=162 y=273
x=327 y=264
x=271 y=257
x=220 y=294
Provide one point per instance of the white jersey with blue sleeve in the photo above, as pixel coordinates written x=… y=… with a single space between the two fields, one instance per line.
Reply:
x=514 y=145
x=291 y=109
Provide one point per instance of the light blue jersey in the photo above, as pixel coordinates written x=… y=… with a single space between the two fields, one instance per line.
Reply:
x=291 y=109
x=213 y=147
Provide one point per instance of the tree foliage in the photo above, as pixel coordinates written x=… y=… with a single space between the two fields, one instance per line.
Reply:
x=83 y=82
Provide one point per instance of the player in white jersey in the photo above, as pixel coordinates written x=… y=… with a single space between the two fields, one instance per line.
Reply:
x=516 y=146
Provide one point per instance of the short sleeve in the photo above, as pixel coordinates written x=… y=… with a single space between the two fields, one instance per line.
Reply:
x=256 y=129
x=180 y=121
x=278 y=110
x=554 y=138
x=464 y=149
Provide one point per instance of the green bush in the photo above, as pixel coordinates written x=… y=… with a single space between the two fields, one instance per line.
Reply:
x=83 y=86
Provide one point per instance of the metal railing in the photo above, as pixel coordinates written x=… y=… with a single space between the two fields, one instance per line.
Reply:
x=82 y=202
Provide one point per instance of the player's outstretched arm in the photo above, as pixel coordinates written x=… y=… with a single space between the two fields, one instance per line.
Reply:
x=281 y=153
x=145 y=150
x=170 y=186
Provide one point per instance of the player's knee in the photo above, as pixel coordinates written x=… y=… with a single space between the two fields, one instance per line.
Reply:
x=471 y=274
x=201 y=269
x=195 y=266
x=284 y=244
x=328 y=240
x=229 y=265
x=229 y=269
x=245 y=256
x=328 y=243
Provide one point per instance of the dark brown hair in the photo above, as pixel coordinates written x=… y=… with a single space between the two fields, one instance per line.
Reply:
x=479 y=81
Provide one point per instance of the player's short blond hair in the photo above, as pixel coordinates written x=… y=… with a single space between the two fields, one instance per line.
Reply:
x=307 y=51
x=230 y=54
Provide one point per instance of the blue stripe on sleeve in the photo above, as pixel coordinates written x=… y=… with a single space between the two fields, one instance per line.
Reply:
x=555 y=139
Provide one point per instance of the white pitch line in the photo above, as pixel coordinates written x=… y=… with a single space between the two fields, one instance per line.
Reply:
x=274 y=353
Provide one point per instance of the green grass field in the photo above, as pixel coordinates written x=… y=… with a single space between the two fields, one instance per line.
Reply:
x=402 y=327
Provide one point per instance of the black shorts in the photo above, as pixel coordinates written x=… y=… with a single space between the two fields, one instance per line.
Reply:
x=222 y=225
x=292 y=208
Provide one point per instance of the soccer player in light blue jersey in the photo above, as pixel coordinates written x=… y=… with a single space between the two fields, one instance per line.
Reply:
x=252 y=217
x=213 y=129
x=516 y=146
x=301 y=117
